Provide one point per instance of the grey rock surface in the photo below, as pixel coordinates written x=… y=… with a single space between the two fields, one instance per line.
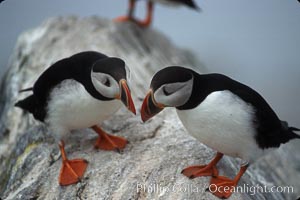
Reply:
x=150 y=166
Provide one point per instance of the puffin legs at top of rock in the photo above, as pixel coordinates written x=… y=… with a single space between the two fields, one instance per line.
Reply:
x=150 y=7
x=222 y=113
x=80 y=92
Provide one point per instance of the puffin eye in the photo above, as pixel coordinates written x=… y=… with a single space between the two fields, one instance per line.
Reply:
x=107 y=82
x=166 y=92
x=171 y=88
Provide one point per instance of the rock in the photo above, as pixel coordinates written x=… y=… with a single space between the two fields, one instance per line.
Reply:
x=150 y=166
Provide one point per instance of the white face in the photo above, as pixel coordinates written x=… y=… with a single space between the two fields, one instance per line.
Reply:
x=174 y=94
x=105 y=84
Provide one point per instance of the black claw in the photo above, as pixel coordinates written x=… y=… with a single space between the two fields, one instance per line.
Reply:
x=192 y=176
x=118 y=150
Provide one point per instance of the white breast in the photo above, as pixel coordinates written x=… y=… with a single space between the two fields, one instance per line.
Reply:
x=72 y=107
x=223 y=122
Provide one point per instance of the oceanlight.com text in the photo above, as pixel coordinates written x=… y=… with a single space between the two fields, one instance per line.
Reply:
x=192 y=188
x=251 y=189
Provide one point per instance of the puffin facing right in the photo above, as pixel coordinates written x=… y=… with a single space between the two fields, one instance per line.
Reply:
x=225 y=115
x=80 y=92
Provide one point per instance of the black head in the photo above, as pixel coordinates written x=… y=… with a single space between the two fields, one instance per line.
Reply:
x=170 y=87
x=109 y=77
x=115 y=67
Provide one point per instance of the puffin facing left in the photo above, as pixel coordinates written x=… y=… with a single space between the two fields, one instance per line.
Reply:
x=224 y=114
x=80 y=92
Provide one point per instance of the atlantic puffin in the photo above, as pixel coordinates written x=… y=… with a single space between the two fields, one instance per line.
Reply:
x=80 y=92
x=223 y=114
x=150 y=6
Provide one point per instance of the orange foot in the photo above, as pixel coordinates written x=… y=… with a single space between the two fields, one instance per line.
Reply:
x=200 y=170
x=106 y=141
x=123 y=19
x=143 y=24
x=203 y=170
x=72 y=170
x=222 y=186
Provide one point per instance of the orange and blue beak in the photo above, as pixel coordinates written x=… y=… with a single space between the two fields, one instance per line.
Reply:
x=150 y=108
x=125 y=96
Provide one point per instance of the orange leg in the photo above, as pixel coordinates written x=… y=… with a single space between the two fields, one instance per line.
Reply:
x=129 y=16
x=71 y=170
x=219 y=185
x=203 y=170
x=108 y=142
x=149 y=16
x=145 y=23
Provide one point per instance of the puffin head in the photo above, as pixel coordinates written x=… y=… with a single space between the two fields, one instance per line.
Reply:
x=170 y=87
x=109 y=77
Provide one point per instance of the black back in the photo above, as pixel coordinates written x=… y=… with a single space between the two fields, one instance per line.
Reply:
x=77 y=67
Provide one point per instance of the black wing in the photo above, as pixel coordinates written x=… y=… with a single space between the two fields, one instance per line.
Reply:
x=268 y=125
x=270 y=132
x=269 y=129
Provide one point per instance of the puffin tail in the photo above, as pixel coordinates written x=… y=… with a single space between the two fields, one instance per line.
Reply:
x=31 y=104
x=196 y=8
x=292 y=129
x=192 y=5
x=28 y=104
x=289 y=131
x=26 y=90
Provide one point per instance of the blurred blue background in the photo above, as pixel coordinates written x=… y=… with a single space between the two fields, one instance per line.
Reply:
x=254 y=41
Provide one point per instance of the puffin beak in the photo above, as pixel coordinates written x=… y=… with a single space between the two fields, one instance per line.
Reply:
x=125 y=96
x=150 y=108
